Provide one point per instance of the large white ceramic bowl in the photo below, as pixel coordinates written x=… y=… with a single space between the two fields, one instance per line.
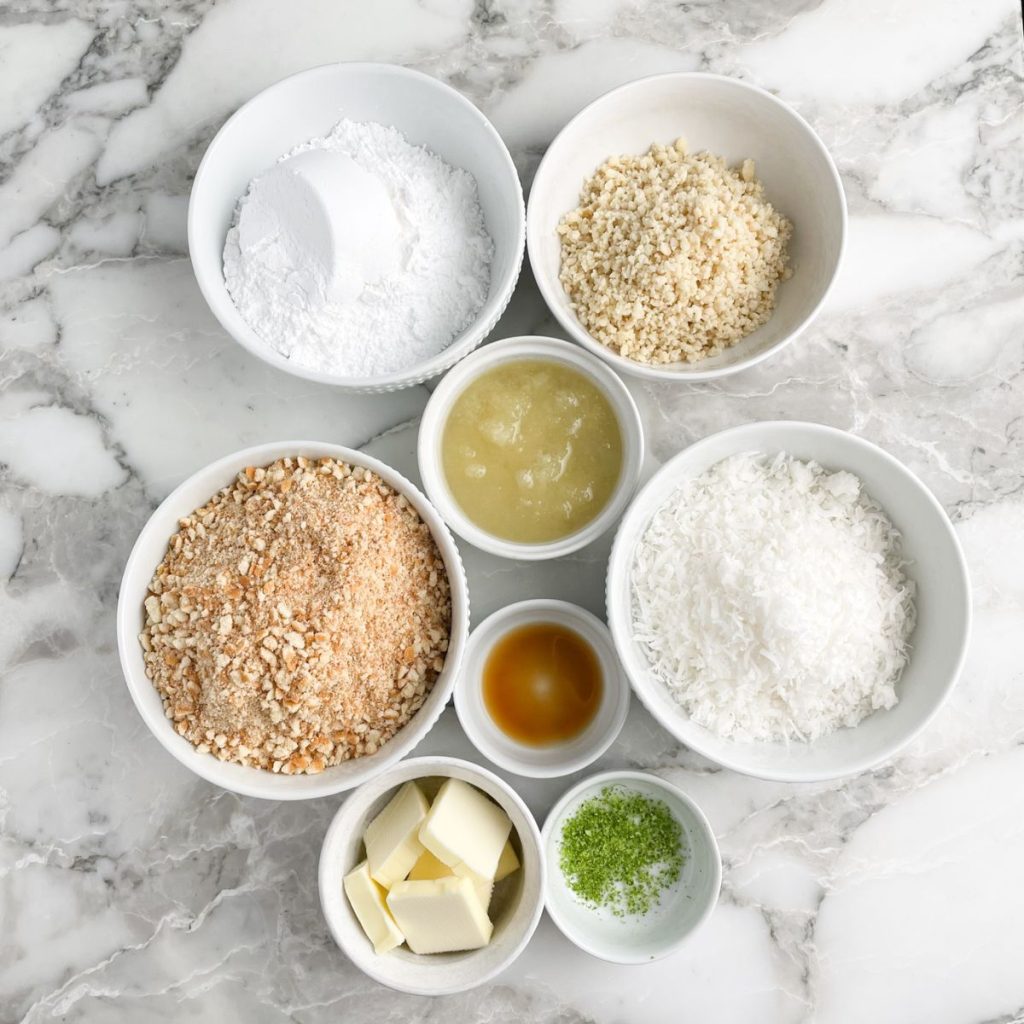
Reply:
x=147 y=554
x=515 y=909
x=731 y=119
x=682 y=909
x=435 y=416
x=553 y=759
x=309 y=104
x=937 y=565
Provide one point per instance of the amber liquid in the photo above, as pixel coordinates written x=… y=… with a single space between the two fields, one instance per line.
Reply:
x=542 y=684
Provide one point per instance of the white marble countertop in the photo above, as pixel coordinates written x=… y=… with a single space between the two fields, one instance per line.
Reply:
x=131 y=892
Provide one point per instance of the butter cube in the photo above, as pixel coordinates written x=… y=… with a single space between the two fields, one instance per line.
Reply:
x=507 y=862
x=484 y=888
x=428 y=866
x=391 y=843
x=440 y=915
x=465 y=830
x=367 y=900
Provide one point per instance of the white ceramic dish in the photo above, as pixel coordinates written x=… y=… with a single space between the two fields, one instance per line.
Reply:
x=939 y=641
x=149 y=550
x=681 y=911
x=731 y=119
x=435 y=415
x=515 y=908
x=556 y=759
x=309 y=104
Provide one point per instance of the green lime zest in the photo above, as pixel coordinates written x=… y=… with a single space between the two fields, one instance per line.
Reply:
x=621 y=850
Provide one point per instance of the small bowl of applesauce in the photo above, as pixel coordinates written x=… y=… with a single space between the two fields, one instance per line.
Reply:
x=530 y=448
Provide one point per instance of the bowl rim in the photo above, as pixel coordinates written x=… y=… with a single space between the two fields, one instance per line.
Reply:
x=330 y=874
x=529 y=346
x=266 y=785
x=621 y=559
x=617 y=690
x=464 y=342
x=630 y=775
x=552 y=293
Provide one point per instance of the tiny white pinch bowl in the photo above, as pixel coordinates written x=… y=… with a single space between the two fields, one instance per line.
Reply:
x=438 y=973
x=528 y=347
x=686 y=907
x=148 y=552
x=308 y=105
x=728 y=118
x=937 y=566
x=541 y=762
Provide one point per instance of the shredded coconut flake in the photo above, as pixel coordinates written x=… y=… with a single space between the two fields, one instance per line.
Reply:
x=770 y=597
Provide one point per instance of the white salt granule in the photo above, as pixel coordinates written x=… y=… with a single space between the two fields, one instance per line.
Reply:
x=359 y=254
x=770 y=598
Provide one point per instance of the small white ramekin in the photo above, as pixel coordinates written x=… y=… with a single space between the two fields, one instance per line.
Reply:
x=146 y=555
x=438 y=973
x=514 y=350
x=541 y=762
x=684 y=909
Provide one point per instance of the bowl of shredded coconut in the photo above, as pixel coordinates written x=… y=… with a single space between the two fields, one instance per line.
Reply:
x=360 y=225
x=789 y=600
x=686 y=226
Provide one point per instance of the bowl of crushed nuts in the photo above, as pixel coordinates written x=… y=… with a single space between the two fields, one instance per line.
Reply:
x=686 y=226
x=291 y=620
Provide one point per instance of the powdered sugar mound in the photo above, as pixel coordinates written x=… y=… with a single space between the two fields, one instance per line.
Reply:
x=359 y=270
x=770 y=597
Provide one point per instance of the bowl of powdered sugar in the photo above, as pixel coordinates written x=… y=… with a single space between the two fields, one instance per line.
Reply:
x=360 y=225
x=789 y=601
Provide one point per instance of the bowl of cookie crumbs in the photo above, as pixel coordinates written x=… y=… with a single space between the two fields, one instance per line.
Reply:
x=686 y=226
x=291 y=620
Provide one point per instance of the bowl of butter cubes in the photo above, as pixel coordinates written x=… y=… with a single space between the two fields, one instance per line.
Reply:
x=431 y=876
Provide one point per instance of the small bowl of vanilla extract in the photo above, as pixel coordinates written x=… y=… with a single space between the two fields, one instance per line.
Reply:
x=541 y=693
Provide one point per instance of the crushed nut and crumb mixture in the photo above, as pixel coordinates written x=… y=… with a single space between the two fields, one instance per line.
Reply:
x=299 y=618
x=672 y=257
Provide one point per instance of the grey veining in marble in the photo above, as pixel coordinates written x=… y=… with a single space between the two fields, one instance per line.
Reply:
x=132 y=893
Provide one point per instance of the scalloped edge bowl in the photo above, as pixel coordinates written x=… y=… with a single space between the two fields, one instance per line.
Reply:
x=149 y=550
x=309 y=104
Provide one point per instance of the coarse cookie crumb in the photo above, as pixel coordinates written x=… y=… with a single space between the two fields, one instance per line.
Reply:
x=672 y=257
x=299 y=618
